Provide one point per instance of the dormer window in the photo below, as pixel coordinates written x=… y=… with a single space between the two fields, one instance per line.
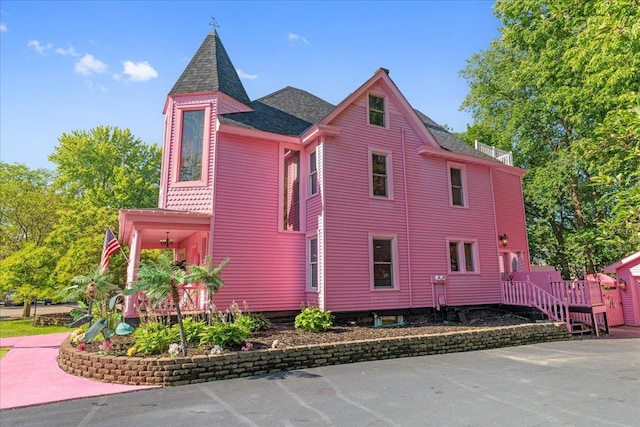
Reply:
x=376 y=111
x=191 y=145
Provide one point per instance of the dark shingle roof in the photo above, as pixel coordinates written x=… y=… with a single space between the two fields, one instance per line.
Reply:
x=289 y=111
x=211 y=70
x=448 y=141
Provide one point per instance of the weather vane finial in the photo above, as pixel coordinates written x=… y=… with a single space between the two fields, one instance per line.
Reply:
x=213 y=24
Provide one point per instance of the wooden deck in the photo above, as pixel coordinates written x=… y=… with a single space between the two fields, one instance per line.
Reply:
x=572 y=302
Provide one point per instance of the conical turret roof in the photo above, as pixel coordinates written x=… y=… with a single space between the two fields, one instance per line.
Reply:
x=211 y=70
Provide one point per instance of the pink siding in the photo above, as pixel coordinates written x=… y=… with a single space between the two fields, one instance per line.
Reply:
x=180 y=196
x=510 y=216
x=267 y=268
x=630 y=297
x=352 y=215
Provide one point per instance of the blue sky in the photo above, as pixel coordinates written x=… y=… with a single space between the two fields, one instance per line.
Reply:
x=71 y=65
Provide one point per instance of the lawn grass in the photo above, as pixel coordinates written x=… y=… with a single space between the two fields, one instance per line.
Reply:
x=3 y=351
x=24 y=327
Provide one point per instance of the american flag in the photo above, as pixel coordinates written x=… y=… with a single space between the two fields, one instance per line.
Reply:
x=110 y=247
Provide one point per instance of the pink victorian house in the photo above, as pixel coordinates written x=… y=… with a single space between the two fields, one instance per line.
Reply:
x=367 y=205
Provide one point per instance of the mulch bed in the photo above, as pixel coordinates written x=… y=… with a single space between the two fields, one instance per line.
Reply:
x=286 y=334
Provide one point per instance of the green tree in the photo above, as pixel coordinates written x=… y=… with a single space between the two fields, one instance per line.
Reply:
x=162 y=280
x=28 y=272
x=108 y=167
x=557 y=87
x=27 y=207
x=78 y=237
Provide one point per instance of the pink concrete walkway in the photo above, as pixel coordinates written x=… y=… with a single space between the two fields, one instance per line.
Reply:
x=29 y=374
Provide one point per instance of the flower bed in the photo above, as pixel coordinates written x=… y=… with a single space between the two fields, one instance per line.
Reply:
x=169 y=371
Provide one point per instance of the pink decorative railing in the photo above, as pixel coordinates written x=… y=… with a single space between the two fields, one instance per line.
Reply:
x=527 y=294
x=578 y=293
x=190 y=300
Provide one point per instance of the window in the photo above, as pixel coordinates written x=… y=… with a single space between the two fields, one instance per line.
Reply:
x=457 y=194
x=462 y=257
x=313 y=174
x=291 y=199
x=376 y=111
x=313 y=263
x=383 y=264
x=380 y=185
x=191 y=146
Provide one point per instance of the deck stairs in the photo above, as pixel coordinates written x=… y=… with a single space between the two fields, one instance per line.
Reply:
x=570 y=302
x=527 y=294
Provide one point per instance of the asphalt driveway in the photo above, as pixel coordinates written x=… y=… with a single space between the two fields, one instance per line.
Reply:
x=591 y=382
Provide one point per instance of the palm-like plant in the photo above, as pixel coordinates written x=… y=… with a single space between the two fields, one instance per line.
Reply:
x=99 y=289
x=161 y=280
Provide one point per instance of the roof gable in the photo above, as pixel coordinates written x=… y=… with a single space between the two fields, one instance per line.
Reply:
x=211 y=70
x=382 y=76
x=289 y=111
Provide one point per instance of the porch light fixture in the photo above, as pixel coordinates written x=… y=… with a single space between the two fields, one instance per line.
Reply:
x=504 y=240
x=166 y=243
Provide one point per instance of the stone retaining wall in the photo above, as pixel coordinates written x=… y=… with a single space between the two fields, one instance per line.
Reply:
x=168 y=371
x=57 y=319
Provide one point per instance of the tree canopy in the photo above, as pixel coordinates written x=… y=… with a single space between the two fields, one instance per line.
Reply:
x=52 y=224
x=108 y=167
x=560 y=89
x=27 y=206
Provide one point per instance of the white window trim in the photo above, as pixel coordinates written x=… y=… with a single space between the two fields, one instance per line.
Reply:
x=389 y=170
x=206 y=146
x=461 y=256
x=465 y=188
x=386 y=110
x=309 y=239
x=394 y=261
x=311 y=175
x=281 y=195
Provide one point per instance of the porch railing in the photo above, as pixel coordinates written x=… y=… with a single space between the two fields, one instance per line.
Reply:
x=578 y=293
x=192 y=298
x=527 y=294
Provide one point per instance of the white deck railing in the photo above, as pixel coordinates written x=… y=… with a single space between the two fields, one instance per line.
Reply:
x=503 y=156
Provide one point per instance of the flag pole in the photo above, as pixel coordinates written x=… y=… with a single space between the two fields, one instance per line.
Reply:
x=121 y=250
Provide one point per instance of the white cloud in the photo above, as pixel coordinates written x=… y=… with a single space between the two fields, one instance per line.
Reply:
x=88 y=65
x=295 y=38
x=3 y=28
x=40 y=48
x=70 y=51
x=246 y=76
x=138 y=71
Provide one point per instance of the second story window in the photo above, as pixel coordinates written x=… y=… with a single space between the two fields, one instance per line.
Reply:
x=313 y=174
x=291 y=200
x=376 y=111
x=457 y=187
x=379 y=177
x=191 y=145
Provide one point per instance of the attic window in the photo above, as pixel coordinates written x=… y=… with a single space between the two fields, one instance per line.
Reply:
x=376 y=111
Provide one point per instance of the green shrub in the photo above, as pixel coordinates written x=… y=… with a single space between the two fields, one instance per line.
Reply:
x=253 y=322
x=314 y=320
x=192 y=329
x=154 y=338
x=226 y=335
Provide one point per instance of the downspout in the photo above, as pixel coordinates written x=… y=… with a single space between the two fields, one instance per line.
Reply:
x=213 y=177
x=406 y=215
x=495 y=220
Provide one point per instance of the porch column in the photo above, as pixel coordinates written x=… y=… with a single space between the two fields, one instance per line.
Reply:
x=134 y=261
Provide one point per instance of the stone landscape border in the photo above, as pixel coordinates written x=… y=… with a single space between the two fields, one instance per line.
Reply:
x=168 y=371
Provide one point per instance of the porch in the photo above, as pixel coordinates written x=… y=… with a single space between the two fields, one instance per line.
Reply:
x=581 y=304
